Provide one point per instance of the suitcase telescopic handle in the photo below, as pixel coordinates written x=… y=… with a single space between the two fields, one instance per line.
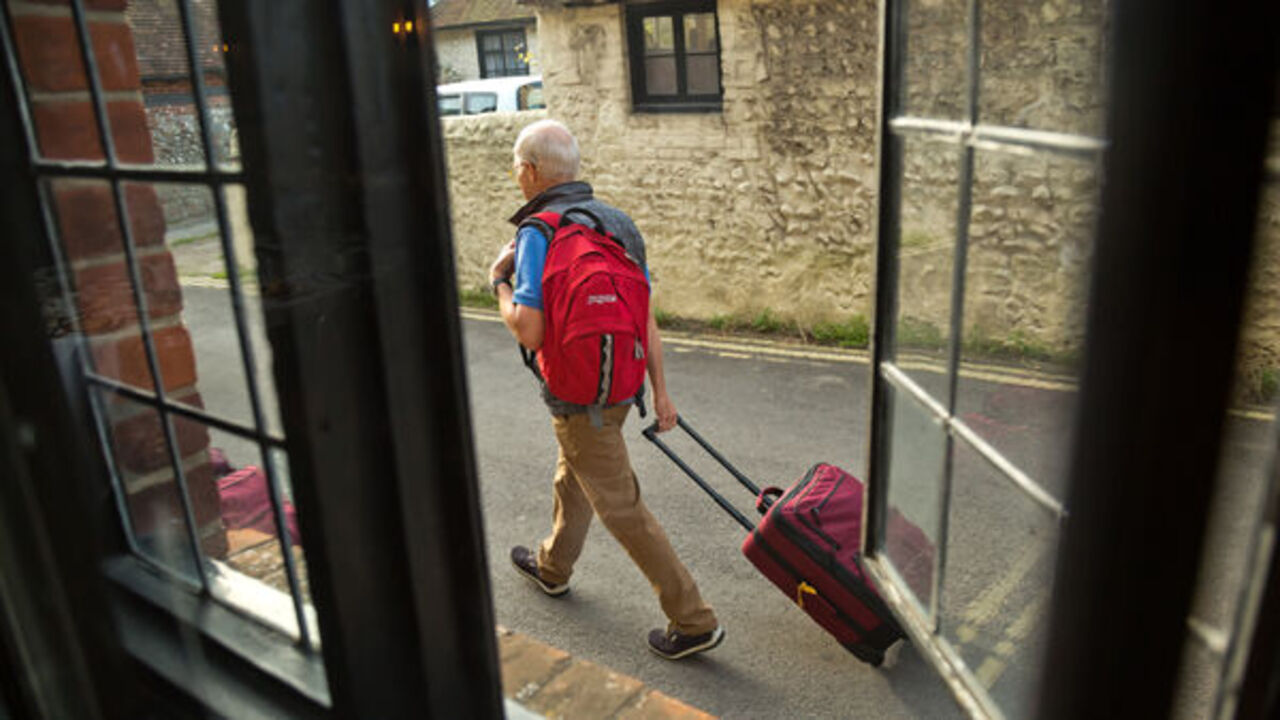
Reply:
x=651 y=434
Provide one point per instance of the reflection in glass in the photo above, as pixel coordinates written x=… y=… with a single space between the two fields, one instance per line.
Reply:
x=934 y=83
x=926 y=257
x=703 y=74
x=660 y=75
x=1042 y=65
x=659 y=35
x=1001 y=547
x=1030 y=243
x=917 y=452
x=152 y=496
x=700 y=32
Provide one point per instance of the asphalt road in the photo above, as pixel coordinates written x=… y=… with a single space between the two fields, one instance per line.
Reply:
x=774 y=412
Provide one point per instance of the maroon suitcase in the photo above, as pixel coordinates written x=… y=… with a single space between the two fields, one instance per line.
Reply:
x=809 y=545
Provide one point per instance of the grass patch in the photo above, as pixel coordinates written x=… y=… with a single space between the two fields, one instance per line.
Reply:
x=852 y=333
x=188 y=240
x=1269 y=384
x=473 y=298
x=919 y=334
x=766 y=322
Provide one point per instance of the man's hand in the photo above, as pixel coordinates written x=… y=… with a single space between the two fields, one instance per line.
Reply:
x=505 y=263
x=666 y=411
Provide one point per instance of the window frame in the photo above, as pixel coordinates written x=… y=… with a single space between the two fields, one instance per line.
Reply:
x=1106 y=569
x=502 y=33
x=333 y=255
x=681 y=102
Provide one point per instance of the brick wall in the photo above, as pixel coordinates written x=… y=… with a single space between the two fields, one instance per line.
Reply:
x=92 y=245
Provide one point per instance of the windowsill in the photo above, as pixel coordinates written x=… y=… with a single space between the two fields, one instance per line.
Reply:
x=691 y=107
x=226 y=661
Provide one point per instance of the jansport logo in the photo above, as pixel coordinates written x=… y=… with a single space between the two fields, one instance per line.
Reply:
x=601 y=299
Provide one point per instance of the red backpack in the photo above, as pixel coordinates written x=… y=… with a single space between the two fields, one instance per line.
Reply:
x=595 y=304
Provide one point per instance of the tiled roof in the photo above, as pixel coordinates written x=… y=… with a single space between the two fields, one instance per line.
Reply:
x=157 y=33
x=460 y=13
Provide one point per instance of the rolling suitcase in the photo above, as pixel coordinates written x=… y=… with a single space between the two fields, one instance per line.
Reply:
x=809 y=542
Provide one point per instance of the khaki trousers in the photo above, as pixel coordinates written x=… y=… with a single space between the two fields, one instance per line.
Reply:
x=594 y=474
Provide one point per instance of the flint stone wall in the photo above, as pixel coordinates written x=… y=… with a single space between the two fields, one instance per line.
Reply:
x=771 y=203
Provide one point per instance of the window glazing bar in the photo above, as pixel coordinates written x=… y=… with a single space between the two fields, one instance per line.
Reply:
x=242 y=329
x=136 y=173
x=1020 y=479
x=187 y=411
x=999 y=137
x=954 y=672
x=82 y=345
x=957 y=427
x=20 y=87
x=135 y=278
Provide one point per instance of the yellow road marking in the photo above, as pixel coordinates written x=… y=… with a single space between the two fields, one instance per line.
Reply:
x=734 y=355
x=988 y=603
x=782 y=352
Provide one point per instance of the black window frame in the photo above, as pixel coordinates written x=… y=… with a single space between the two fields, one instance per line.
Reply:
x=406 y=612
x=682 y=101
x=512 y=65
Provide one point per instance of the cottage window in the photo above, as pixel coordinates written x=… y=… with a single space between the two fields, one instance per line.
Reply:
x=674 y=51
x=503 y=53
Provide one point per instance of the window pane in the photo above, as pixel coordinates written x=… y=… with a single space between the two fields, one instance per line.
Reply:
x=252 y=575
x=493 y=65
x=140 y=455
x=659 y=34
x=917 y=448
x=702 y=75
x=1001 y=548
x=450 y=104
x=481 y=103
x=934 y=66
x=926 y=257
x=660 y=75
x=1030 y=243
x=1041 y=67
x=700 y=32
x=531 y=97
x=491 y=42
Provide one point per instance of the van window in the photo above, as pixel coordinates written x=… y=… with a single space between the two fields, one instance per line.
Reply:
x=481 y=103
x=450 y=105
x=530 y=97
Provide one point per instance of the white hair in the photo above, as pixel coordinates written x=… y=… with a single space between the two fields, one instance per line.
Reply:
x=551 y=148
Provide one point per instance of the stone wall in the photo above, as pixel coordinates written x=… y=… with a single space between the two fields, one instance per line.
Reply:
x=770 y=203
x=175 y=135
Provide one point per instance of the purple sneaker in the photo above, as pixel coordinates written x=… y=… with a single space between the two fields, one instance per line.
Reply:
x=673 y=645
x=526 y=563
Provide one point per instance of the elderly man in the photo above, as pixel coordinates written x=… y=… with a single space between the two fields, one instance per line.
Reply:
x=593 y=472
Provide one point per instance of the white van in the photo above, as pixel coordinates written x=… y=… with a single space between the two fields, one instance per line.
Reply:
x=505 y=94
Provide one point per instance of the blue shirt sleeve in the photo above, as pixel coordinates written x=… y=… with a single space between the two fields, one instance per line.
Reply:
x=531 y=256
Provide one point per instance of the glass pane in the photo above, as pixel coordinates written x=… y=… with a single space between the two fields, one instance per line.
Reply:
x=700 y=32
x=481 y=103
x=1030 y=243
x=660 y=75
x=530 y=97
x=152 y=497
x=92 y=245
x=1001 y=547
x=935 y=62
x=926 y=257
x=659 y=34
x=702 y=74
x=251 y=574
x=213 y=375
x=491 y=42
x=917 y=450
x=450 y=104
x=1042 y=65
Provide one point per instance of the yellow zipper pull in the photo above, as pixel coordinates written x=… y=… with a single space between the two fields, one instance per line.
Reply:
x=803 y=589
